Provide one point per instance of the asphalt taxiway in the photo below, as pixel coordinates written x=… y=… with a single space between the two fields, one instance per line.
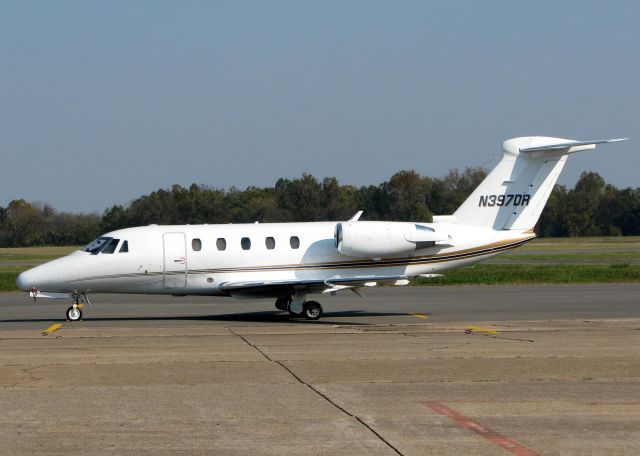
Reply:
x=381 y=306
x=480 y=370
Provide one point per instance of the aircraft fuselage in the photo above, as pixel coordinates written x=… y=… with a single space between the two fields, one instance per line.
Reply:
x=199 y=259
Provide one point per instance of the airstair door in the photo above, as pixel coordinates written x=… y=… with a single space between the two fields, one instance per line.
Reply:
x=175 y=260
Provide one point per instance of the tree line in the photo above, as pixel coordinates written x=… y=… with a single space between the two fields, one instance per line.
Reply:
x=591 y=208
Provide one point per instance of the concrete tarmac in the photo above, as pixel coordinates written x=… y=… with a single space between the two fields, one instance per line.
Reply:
x=480 y=370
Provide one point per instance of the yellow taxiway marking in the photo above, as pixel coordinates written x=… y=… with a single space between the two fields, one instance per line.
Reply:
x=420 y=315
x=51 y=329
x=480 y=329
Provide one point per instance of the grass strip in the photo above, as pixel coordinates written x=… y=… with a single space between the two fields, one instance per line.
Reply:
x=8 y=280
x=503 y=274
x=24 y=257
x=13 y=268
x=605 y=256
x=492 y=274
x=39 y=251
x=587 y=240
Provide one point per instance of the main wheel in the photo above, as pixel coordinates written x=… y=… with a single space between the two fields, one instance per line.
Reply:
x=282 y=303
x=312 y=310
x=74 y=313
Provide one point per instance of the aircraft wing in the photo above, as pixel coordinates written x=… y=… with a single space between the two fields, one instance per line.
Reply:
x=275 y=288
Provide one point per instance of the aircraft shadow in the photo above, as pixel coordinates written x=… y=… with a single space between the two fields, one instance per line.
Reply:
x=252 y=317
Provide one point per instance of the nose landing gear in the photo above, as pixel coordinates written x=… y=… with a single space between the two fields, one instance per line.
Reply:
x=74 y=313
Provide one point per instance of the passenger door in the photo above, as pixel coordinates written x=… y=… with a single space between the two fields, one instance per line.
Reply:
x=175 y=260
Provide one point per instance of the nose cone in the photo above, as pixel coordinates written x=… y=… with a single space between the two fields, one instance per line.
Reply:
x=53 y=276
x=41 y=277
x=25 y=280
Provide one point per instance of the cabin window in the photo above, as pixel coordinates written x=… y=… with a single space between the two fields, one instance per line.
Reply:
x=111 y=246
x=221 y=244
x=124 y=248
x=270 y=243
x=294 y=241
x=196 y=244
x=245 y=242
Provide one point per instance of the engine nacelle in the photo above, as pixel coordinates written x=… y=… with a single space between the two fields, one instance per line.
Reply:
x=383 y=239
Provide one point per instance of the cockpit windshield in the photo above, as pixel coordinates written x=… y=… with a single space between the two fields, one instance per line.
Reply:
x=97 y=245
x=111 y=246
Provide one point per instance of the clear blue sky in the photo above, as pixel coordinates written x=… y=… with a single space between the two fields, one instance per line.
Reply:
x=101 y=102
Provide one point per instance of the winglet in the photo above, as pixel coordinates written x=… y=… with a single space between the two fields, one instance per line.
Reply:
x=356 y=217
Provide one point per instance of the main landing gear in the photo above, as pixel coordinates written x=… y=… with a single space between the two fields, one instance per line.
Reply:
x=74 y=313
x=312 y=310
x=298 y=306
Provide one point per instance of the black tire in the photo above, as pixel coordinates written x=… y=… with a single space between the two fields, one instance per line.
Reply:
x=74 y=313
x=282 y=303
x=312 y=310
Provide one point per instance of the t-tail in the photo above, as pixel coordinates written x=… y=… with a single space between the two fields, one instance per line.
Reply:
x=515 y=192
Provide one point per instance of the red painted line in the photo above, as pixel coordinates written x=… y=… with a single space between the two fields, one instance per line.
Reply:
x=466 y=422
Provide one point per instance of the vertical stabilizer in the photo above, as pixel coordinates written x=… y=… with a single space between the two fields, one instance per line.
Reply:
x=515 y=192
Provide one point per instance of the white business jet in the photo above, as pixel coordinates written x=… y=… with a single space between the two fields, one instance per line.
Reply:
x=290 y=261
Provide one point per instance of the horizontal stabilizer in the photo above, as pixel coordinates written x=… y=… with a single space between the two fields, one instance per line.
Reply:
x=569 y=144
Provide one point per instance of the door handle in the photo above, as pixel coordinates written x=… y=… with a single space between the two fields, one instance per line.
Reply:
x=179 y=260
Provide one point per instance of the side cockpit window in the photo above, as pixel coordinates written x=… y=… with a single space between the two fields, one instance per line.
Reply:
x=124 y=248
x=111 y=246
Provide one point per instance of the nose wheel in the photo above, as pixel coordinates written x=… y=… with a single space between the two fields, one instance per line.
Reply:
x=74 y=313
